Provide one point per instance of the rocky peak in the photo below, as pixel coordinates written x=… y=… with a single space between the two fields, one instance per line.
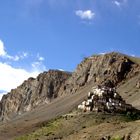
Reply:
x=108 y=69
x=32 y=92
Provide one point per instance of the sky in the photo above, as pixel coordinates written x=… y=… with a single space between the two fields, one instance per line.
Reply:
x=38 y=35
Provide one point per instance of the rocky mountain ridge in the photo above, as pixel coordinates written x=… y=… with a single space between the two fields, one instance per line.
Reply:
x=32 y=93
x=109 y=69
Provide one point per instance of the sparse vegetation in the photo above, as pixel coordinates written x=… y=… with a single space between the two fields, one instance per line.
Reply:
x=46 y=130
x=81 y=125
x=132 y=116
x=117 y=138
x=69 y=124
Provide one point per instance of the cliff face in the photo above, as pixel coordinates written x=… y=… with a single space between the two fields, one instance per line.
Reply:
x=32 y=93
x=109 y=69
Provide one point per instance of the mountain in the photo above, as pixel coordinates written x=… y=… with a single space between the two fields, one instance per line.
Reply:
x=33 y=92
x=56 y=92
x=113 y=67
x=109 y=69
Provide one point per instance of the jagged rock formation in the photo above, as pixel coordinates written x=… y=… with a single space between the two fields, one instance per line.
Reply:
x=105 y=99
x=109 y=69
x=32 y=92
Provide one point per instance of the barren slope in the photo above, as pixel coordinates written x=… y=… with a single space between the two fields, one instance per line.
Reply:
x=86 y=126
x=29 y=121
x=112 y=69
x=130 y=92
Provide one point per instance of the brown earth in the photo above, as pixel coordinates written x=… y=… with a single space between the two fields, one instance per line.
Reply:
x=31 y=121
x=130 y=92
x=109 y=69
x=112 y=69
x=86 y=126
x=28 y=121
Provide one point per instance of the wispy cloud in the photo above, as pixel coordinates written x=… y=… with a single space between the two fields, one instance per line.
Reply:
x=38 y=63
x=2 y=92
x=117 y=3
x=12 y=76
x=87 y=14
x=61 y=70
x=5 y=55
x=133 y=55
x=120 y=3
x=102 y=53
x=2 y=49
x=1 y=96
x=40 y=58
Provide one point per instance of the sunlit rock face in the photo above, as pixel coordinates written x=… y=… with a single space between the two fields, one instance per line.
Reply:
x=108 y=69
x=32 y=92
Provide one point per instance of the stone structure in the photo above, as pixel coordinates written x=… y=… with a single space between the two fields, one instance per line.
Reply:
x=104 y=99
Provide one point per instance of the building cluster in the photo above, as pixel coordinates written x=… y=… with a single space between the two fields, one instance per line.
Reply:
x=104 y=99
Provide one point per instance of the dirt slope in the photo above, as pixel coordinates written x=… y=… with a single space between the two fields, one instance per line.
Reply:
x=130 y=92
x=31 y=93
x=86 y=126
x=109 y=69
x=27 y=122
x=113 y=67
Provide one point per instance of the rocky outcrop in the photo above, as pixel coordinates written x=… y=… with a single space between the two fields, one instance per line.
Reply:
x=32 y=93
x=109 y=70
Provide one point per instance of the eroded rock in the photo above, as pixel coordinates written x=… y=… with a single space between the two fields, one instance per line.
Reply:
x=32 y=92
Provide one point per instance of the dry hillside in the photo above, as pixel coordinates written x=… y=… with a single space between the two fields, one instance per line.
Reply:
x=55 y=93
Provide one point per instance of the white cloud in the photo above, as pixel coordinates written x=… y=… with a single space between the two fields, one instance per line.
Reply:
x=12 y=77
x=38 y=64
x=1 y=95
x=25 y=54
x=133 y=55
x=61 y=70
x=5 y=55
x=117 y=3
x=40 y=58
x=102 y=53
x=2 y=51
x=120 y=3
x=87 y=14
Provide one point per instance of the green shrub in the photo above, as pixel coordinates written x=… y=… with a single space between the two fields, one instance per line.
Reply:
x=117 y=138
x=133 y=115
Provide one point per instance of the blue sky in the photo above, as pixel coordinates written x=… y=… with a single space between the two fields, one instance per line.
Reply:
x=37 y=35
